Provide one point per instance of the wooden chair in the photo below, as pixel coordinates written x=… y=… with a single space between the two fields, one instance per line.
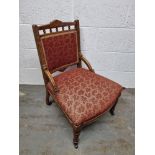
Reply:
x=81 y=94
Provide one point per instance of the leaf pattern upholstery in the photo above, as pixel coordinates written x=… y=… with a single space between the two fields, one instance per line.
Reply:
x=60 y=49
x=83 y=95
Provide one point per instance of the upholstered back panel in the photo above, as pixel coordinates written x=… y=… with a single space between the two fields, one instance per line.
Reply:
x=61 y=49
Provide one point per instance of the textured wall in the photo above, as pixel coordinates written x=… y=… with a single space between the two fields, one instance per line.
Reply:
x=107 y=35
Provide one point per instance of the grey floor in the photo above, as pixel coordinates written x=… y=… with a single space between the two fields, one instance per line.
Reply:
x=45 y=131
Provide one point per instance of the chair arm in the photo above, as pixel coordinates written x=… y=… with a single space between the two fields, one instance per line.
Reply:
x=87 y=63
x=51 y=79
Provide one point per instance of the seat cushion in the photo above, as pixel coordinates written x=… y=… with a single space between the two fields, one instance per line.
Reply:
x=83 y=95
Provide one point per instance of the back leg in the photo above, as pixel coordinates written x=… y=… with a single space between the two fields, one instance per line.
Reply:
x=48 y=102
x=112 y=110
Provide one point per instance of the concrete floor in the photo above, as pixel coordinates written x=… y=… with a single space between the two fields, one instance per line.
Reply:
x=45 y=131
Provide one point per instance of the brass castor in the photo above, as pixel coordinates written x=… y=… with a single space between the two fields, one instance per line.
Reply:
x=76 y=146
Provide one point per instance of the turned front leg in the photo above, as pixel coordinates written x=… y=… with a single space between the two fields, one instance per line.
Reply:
x=76 y=133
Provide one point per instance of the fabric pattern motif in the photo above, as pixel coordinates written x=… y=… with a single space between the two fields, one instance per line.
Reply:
x=84 y=95
x=60 y=49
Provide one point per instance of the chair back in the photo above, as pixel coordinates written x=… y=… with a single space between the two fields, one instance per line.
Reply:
x=58 y=44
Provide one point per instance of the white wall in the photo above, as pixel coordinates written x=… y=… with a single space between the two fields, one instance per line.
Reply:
x=107 y=35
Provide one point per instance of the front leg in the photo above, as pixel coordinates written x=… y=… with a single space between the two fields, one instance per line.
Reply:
x=76 y=133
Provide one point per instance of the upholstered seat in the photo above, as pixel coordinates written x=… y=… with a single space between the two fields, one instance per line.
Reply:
x=83 y=95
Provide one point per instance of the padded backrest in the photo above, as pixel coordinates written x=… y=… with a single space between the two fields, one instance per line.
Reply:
x=60 y=49
x=58 y=44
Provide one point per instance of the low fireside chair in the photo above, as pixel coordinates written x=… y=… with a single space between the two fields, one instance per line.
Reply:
x=81 y=94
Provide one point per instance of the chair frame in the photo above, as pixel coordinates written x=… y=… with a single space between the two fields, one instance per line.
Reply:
x=47 y=75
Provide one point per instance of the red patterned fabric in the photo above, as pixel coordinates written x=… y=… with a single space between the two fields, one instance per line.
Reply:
x=60 y=49
x=84 y=95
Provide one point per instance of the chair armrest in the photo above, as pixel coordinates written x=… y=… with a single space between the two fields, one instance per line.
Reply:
x=51 y=79
x=87 y=63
